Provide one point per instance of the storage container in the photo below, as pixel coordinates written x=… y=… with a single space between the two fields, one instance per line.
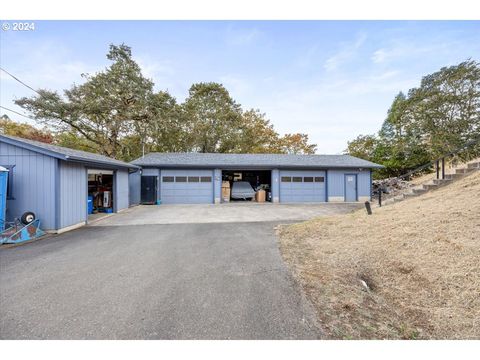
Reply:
x=3 y=196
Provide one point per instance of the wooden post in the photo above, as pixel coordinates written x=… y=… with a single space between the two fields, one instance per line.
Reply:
x=367 y=206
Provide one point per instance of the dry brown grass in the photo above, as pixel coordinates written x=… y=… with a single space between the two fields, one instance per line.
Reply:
x=423 y=179
x=420 y=259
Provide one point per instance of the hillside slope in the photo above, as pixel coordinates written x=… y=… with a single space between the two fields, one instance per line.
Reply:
x=410 y=270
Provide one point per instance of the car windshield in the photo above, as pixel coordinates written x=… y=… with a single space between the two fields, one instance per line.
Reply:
x=242 y=185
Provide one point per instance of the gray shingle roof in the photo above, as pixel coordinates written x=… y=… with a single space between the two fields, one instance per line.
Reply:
x=65 y=153
x=252 y=160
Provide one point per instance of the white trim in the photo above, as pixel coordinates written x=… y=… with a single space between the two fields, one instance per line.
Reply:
x=67 y=228
x=100 y=172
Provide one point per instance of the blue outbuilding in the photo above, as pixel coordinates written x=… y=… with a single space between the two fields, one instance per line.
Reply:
x=55 y=182
x=188 y=178
x=67 y=188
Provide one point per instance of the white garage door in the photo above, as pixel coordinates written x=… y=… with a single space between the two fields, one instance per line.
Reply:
x=186 y=186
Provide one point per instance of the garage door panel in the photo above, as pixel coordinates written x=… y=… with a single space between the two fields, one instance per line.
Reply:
x=187 y=192
x=309 y=191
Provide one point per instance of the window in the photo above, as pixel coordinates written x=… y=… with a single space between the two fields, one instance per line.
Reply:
x=180 y=178
x=297 y=179
x=9 y=181
x=193 y=179
x=308 y=179
x=286 y=179
x=319 y=179
x=168 y=179
x=206 y=179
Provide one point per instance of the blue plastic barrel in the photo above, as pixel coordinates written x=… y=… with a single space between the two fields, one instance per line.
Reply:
x=3 y=196
x=90 y=204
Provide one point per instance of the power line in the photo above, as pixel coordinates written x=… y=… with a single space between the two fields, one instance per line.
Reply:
x=20 y=81
x=16 y=112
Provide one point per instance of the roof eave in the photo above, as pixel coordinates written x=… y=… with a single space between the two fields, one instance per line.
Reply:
x=101 y=163
x=61 y=156
x=266 y=166
x=33 y=148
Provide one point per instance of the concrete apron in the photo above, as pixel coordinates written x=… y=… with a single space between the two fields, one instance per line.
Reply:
x=224 y=213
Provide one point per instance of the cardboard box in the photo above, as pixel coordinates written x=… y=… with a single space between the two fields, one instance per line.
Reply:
x=225 y=184
x=225 y=194
x=260 y=196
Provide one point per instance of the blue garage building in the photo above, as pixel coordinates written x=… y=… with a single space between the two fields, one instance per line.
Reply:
x=187 y=178
x=53 y=182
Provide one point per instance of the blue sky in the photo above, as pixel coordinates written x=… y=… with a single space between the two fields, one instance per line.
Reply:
x=330 y=79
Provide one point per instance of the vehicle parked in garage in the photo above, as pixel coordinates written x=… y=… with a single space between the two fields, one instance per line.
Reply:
x=242 y=190
x=207 y=178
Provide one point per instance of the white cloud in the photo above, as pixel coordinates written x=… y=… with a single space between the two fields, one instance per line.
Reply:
x=236 y=85
x=47 y=65
x=400 y=49
x=347 y=52
x=236 y=36
x=379 y=56
x=306 y=59
x=396 y=51
x=154 y=69
x=332 y=110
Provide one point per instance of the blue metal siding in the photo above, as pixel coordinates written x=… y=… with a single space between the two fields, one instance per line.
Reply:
x=150 y=172
x=122 y=189
x=73 y=193
x=134 y=180
x=336 y=183
x=326 y=185
x=33 y=184
x=275 y=185
x=370 y=184
x=302 y=191
x=217 y=185
x=187 y=192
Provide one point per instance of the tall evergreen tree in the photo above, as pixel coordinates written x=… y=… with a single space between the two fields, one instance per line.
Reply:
x=439 y=116
x=103 y=109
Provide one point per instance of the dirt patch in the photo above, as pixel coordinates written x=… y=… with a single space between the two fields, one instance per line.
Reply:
x=411 y=270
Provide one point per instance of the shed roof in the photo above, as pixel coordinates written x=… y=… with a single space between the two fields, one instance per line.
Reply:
x=252 y=160
x=64 y=153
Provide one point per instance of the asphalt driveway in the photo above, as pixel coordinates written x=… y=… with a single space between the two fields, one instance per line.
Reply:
x=174 y=281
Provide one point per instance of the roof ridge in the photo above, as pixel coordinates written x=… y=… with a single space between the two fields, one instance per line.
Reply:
x=259 y=154
x=196 y=159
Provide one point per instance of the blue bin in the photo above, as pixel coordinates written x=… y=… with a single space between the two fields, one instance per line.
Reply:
x=3 y=196
x=90 y=204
